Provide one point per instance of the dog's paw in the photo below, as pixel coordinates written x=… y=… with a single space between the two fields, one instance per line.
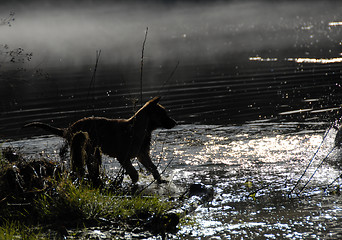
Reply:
x=160 y=181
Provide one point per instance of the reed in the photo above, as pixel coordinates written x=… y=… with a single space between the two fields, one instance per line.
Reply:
x=142 y=68
x=91 y=87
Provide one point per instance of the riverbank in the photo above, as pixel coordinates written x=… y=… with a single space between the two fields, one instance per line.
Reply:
x=39 y=198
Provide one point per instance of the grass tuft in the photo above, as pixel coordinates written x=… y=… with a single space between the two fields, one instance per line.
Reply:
x=87 y=203
x=16 y=230
x=55 y=202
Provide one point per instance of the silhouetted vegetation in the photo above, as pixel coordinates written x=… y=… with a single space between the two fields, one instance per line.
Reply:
x=8 y=54
x=39 y=199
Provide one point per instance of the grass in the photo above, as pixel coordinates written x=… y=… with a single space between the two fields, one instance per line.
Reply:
x=16 y=230
x=55 y=202
x=91 y=204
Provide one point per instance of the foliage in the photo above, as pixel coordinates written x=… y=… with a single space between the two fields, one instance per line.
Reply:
x=48 y=201
x=7 y=20
x=16 y=55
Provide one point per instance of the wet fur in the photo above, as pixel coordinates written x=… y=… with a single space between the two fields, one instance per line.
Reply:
x=121 y=138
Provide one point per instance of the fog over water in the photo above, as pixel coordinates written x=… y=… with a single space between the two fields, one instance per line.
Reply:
x=70 y=33
x=234 y=57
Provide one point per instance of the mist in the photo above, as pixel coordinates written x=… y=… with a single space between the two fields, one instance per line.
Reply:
x=69 y=34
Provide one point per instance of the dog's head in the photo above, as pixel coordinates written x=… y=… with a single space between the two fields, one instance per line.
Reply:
x=158 y=115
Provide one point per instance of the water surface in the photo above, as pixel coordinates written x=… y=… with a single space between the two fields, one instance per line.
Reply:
x=254 y=87
x=252 y=168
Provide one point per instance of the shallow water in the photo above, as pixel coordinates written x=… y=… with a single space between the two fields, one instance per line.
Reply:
x=252 y=168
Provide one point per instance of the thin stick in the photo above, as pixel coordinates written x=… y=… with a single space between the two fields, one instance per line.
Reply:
x=167 y=166
x=321 y=163
x=160 y=158
x=340 y=176
x=307 y=167
x=171 y=75
x=155 y=179
x=92 y=81
x=142 y=66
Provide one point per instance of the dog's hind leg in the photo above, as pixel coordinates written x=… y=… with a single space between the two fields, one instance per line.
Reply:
x=94 y=162
x=78 y=153
x=145 y=159
x=131 y=171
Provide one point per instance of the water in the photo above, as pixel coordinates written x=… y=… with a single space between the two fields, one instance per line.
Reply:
x=245 y=61
x=252 y=168
x=254 y=88
x=239 y=161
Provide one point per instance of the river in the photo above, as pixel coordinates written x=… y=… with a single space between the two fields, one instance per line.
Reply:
x=252 y=108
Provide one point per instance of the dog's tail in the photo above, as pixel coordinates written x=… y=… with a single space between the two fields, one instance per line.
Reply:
x=57 y=131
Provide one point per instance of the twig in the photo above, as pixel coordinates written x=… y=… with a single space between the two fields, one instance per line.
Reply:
x=142 y=66
x=144 y=188
x=307 y=167
x=169 y=78
x=167 y=166
x=162 y=150
x=340 y=176
x=155 y=179
x=119 y=176
x=321 y=163
x=92 y=81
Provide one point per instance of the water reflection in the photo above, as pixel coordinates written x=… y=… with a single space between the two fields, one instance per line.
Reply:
x=335 y=24
x=260 y=59
x=316 y=60
x=299 y=60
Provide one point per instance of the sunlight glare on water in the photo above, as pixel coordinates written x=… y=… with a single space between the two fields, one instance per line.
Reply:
x=239 y=160
x=251 y=168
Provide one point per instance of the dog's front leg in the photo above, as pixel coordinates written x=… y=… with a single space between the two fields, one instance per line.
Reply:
x=145 y=159
x=127 y=165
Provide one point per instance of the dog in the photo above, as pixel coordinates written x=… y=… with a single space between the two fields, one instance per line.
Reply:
x=123 y=139
x=83 y=153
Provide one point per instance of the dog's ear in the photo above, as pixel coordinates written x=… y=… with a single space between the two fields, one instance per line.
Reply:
x=155 y=100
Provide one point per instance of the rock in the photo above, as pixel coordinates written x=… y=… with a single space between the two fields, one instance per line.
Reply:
x=200 y=190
